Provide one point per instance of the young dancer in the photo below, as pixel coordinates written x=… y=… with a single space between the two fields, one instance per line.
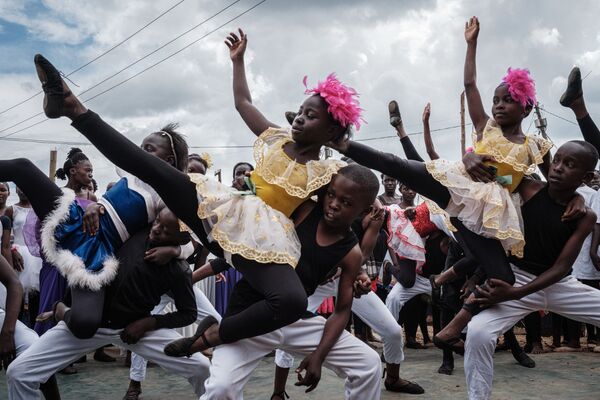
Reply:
x=369 y=308
x=78 y=172
x=126 y=318
x=477 y=208
x=15 y=337
x=327 y=238
x=254 y=230
x=24 y=224
x=542 y=275
x=85 y=258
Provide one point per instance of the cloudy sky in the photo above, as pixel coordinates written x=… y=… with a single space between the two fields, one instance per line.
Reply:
x=411 y=51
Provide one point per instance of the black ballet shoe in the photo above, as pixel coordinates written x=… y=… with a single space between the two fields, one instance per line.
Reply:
x=455 y=344
x=446 y=369
x=132 y=394
x=524 y=360
x=408 y=387
x=183 y=347
x=290 y=116
x=411 y=343
x=282 y=395
x=52 y=84
x=574 y=89
x=395 y=117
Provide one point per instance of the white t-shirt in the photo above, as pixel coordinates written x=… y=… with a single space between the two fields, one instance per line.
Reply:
x=583 y=267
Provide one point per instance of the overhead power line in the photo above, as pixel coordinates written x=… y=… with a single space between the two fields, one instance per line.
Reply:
x=140 y=72
x=100 y=55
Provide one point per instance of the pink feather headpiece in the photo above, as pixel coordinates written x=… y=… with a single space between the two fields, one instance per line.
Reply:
x=520 y=86
x=341 y=100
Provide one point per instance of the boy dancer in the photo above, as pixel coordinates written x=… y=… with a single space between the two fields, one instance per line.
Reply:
x=328 y=242
x=126 y=319
x=15 y=337
x=542 y=275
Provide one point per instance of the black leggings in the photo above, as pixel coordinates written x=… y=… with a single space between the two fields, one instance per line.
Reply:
x=590 y=131
x=488 y=252
x=283 y=297
x=86 y=313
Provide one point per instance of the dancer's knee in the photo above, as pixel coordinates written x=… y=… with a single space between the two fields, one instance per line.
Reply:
x=291 y=304
x=83 y=326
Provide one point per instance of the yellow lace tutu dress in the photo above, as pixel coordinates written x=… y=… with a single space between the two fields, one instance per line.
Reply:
x=492 y=209
x=256 y=225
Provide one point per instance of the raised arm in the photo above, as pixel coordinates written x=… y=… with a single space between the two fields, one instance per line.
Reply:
x=253 y=118
x=433 y=155
x=374 y=223
x=476 y=110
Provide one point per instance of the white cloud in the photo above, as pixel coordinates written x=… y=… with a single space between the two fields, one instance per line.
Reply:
x=549 y=37
x=413 y=53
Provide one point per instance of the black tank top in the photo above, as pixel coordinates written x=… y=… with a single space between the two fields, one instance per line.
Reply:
x=316 y=262
x=545 y=233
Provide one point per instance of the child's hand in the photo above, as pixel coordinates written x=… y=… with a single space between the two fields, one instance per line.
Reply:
x=476 y=167
x=161 y=255
x=17 y=258
x=575 y=209
x=426 y=112
x=237 y=45
x=472 y=30
x=341 y=144
x=220 y=278
x=91 y=218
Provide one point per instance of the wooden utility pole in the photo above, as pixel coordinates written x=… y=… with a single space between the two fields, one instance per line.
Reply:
x=540 y=122
x=463 y=145
x=218 y=174
x=52 y=171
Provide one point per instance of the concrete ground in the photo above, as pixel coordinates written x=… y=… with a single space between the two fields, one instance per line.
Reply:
x=572 y=376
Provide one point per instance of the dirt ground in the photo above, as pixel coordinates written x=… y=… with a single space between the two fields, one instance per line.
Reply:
x=572 y=376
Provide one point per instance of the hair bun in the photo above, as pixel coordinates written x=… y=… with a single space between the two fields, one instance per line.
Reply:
x=73 y=151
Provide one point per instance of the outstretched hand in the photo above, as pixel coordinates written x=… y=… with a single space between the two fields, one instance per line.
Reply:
x=472 y=30
x=237 y=45
x=427 y=112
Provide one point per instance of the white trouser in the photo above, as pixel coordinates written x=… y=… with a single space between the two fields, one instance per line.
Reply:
x=58 y=348
x=399 y=295
x=137 y=371
x=233 y=363
x=24 y=337
x=569 y=298
x=371 y=310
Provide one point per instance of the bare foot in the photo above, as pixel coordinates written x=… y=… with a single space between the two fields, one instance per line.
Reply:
x=537 y=348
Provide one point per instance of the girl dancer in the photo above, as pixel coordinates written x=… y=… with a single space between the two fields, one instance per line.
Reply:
x=85 y=258
x=483 y=211
x=254 y=231
x=24 y=223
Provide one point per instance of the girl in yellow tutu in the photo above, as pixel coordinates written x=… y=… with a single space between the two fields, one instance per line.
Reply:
x=478 y=193
x=253 y=230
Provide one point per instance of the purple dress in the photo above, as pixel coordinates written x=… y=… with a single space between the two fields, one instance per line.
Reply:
x=223 y=289
x=53 y=286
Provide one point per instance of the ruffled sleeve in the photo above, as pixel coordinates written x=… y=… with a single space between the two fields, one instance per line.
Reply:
x=538 y=147
x=276 y=168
